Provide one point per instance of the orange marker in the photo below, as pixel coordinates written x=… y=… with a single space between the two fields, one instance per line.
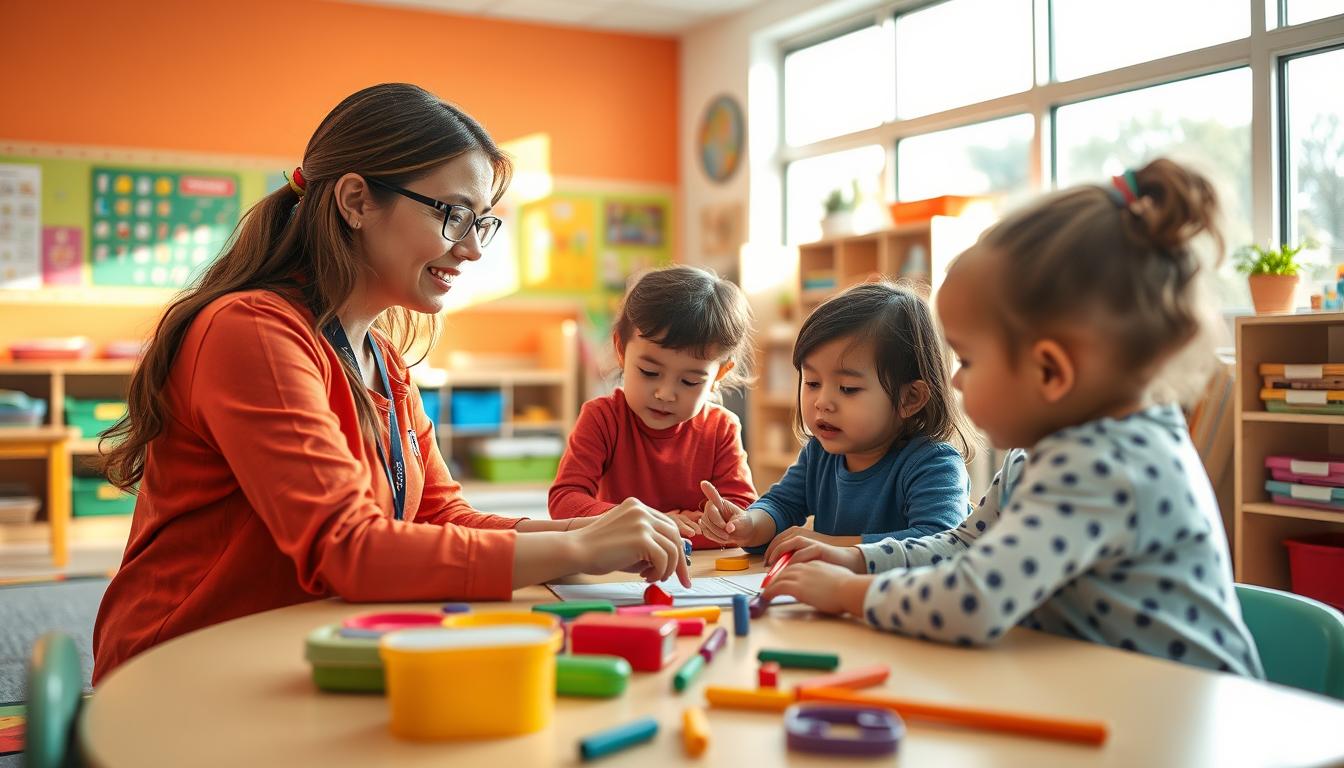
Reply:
x=1062 y=729
x=865 y=677
x=706 y=612
x=694 y=731
x=740 y=698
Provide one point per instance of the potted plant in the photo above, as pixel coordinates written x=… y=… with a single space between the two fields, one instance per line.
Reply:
x=839 y=219
x=1273 y=275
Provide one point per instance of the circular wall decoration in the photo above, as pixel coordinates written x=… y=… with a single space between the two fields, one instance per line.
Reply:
x=720 y=138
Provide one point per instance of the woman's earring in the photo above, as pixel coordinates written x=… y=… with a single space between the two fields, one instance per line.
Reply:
x=355 y=224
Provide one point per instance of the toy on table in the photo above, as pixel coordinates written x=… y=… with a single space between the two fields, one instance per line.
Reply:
x=343 y=664
x=639 y=610
x=647 y=642
x=706 y=612
x=687 y=672
x=690 y=627
x=617 y=738
x=732 y=563
x=686 y=546
x=375 y=625
x=800 y=659
x=1062 y=729
x=656 y=595
x=572 y=608
x=469 y=683
x=866 y=730
x=546 y=621
x=741 y=618
x=765 y=699
x=713 y=644
x=591 y=675
x=759 y=604
x=456 y=607
x=767 y=675
x=863 y=677
x=694 y=731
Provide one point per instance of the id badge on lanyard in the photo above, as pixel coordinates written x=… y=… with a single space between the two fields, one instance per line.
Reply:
x=394 y=464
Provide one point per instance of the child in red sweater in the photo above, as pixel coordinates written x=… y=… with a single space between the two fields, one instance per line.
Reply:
x=682 y=334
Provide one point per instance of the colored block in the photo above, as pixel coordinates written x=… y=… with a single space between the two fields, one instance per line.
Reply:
x=767 y=676
x=733 y=563
x=572 y=608
x=706 y=612
x=647 y=642
x=801 y=659
x=741 y=619
x=656 y=595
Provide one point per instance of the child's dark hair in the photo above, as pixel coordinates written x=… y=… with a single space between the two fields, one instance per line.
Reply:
x=906 y=348
x=693 y=309
x=1119 y=256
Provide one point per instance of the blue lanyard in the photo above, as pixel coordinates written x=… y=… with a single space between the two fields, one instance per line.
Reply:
x=396 y=468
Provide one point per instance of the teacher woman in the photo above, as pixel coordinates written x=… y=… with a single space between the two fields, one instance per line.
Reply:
x=281 y=452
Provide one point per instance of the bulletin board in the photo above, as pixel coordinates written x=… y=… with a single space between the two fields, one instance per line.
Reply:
x=590 y=242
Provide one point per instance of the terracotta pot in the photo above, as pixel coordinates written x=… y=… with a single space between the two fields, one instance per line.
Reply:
x=1273 y=293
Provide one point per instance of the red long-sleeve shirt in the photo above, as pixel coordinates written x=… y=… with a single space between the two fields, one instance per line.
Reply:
x=261 y=491
x=613 y=455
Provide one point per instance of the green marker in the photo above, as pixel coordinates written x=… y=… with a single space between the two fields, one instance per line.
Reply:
x=591 y=675
x=688 y=672
x=801 y=659
x=572 y=608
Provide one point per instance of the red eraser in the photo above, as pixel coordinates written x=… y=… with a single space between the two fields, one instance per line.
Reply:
x=768 y=674
x=691 y=627
x=647 y=642
x=656 y=595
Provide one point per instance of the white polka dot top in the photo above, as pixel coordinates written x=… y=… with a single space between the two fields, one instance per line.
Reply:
x=1108 y=532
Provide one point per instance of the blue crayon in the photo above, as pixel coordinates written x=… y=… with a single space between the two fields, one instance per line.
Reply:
x=456 y=608
x=618 y=738
x=686 y=545
x=741 y=620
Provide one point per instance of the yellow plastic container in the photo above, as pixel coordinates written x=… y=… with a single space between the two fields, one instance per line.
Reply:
x=474 y=620
x=445 y=684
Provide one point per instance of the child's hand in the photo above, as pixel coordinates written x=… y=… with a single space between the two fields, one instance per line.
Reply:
x=805 y=550
x=828 y=588
x=723 y=521
x=773 y=551
x=686 y=524
x=632 y=536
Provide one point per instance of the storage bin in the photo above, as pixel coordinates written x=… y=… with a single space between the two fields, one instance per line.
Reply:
x=1316 y=565
x=95 y=497
x=517 y=459
x=17 y=409
x=71 y=348
x=19 y=509
x=93 y=417
x=1316 y=469
x=479 y=408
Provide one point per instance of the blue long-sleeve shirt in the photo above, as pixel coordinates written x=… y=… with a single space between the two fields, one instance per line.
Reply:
x=918 y=489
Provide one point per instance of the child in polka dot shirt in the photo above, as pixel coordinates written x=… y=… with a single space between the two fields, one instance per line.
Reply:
x=1101 y=524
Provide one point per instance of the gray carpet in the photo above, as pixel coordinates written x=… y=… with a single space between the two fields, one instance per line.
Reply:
x=30 y=610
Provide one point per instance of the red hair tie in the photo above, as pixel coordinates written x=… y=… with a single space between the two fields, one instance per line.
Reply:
x=297 y=182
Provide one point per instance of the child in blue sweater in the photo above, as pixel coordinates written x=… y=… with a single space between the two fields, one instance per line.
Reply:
x=875 y=398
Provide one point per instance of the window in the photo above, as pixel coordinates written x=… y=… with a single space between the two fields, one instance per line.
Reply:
x=1314 y=206
x=972 y=160
x=1301 y=11
x=809 y=182
x=1090 y=37
x=839 y=86
x=1204 y=122
x=942 y=61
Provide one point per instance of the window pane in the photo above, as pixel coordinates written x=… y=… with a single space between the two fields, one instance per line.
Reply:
x=960 y=52
x=975 y=159
x=1204 y=122
x=807 y=183
x=1301 y=11
x=1091 y=37
x=1316 y=155
x=839 y=86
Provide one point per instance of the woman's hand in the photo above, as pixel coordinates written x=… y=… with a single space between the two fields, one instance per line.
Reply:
x=805 y=549
x=827 y=587
x=773 y=551
x=725 y=522
x=630 y=536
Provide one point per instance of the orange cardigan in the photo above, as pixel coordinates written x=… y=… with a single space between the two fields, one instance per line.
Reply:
x=261 y=491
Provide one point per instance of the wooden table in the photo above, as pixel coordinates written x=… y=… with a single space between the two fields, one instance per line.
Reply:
x=239 y=694
x=52 y=444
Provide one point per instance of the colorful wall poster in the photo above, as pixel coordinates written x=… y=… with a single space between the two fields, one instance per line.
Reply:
x=559 y=244
x=157 y=227
x=63 y=255
x=635 y=223
x=20 y=226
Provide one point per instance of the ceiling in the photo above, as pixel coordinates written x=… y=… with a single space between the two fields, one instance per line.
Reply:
x=655 y=17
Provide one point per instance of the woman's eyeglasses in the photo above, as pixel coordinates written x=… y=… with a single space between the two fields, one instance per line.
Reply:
x=458 y=220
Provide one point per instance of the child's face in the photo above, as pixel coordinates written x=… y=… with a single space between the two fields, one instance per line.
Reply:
x=410 y=263
x=843 y=402
x=665 y=387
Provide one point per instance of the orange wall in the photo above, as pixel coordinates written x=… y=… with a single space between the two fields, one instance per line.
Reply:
x=254 y=77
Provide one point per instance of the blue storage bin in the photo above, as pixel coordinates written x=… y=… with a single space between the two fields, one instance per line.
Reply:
x=430 y=399
x=477 y=408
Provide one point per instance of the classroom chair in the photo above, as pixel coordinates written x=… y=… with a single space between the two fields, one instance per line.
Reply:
x=1301 y=641
x=55 y=693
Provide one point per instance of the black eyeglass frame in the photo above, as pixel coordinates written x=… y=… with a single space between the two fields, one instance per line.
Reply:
x=446 y=209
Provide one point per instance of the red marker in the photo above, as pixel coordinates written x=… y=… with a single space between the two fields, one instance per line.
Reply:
x=776 y=568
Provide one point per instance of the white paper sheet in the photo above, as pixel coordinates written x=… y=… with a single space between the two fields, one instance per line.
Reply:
x=706 y=590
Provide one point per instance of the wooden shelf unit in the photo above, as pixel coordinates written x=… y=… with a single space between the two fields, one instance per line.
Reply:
x=1259 y=525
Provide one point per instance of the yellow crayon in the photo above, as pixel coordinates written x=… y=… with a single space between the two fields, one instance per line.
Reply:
x=766 y=699
x=694 y=731
x=709 y=613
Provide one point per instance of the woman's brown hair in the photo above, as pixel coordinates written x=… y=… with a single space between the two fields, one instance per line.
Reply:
x=906 y=347
x=394 y=132
x=1087 y=254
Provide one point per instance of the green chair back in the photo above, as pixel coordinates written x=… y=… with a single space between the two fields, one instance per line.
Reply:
x=55 y=691
x=1301 y=641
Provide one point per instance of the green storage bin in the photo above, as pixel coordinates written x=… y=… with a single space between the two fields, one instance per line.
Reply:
x=93 y=417
x=95 y=497
x=517 y=459
x=343 y=663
